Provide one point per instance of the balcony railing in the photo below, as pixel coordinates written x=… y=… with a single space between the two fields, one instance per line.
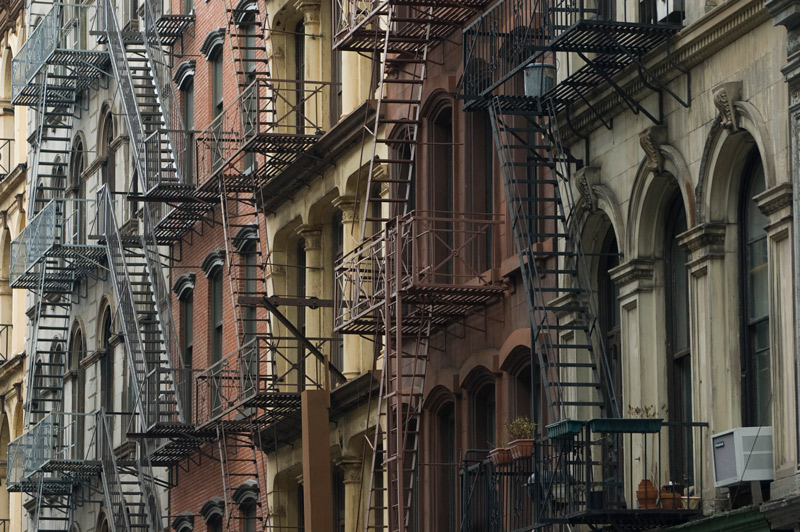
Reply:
x=515 y=33
x=591 y=473
x=445 y=256
x=59 y=37
x=5 y=342
x=262 y=370
x=281 y=118
x=6 y=157
x=59 y=443
x=60 y=228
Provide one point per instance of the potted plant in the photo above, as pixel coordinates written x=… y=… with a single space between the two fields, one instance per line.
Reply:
x=500 y=455
x=520 y=430
x=647 y=495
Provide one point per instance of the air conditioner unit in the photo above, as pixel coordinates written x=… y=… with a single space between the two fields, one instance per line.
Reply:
x=669 y=11
x=742 y=455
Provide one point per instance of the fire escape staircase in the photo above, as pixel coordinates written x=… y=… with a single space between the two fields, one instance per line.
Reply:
x=536 y=169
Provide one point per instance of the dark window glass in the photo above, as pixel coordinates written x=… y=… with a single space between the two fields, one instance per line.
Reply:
x=608 y=295
x=187 y=332
x=445 y=472
x=300 y=75
x=484 y=418
x=337 y=234
x=300 y=290
x=679 y=361
x=756 y=348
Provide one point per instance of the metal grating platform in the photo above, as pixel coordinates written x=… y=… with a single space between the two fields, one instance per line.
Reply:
x=171 y=27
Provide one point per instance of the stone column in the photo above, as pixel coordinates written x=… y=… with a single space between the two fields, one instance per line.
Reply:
x=776 y=204
x=312 y=236
x=716 y=372
x=787 y=13
x=317 y=103
x=351 y=467
x=643 y=366
x=354 y=345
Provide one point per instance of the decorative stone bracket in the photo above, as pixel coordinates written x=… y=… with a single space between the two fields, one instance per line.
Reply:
x=651 y=139
x=725 y=95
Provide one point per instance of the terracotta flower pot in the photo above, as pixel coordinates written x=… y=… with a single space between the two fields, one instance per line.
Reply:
x=647 y=495
x=521 y=448
x=671 y=500
x=500 y=456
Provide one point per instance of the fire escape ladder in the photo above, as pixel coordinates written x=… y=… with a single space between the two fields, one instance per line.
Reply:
x=405 y=73
x=114 y=490
x=400 y=398
x=535 y=170
x=140 y=284
x=54 y=508
x=52 y=147
x=248 y=30
x=241 y=479
x=245 y=262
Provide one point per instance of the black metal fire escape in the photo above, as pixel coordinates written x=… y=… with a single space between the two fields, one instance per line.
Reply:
x=381 y=289
x=509 y=43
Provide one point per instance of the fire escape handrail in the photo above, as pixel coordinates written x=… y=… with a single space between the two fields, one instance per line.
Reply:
x=159 y=66
x=36 y=50
x=148 y=239
x=112 y=484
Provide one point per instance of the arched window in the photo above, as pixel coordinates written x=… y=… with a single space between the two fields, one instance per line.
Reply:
x=300 y=73
x=300 y=323
x=483 y=422
x=445 y=451
x=109 y=168
x=107 y=362
x=757 y=381
x=77 y=227
x=441 y=192
x=679 y=367
x=77 y=352
x=608 y=306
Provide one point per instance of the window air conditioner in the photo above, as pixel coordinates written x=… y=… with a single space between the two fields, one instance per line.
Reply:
x=742 y=455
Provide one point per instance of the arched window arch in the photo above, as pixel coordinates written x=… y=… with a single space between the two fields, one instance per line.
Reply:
x=755 y=313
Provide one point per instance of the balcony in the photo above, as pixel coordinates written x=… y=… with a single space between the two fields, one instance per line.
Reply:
x=259 y=135
x=356 y=21
x=606 y=34
x=267 y=374
x=61 y=40
x=430 y=258
x=591 y=473
x=52 y=251
x=57 y=452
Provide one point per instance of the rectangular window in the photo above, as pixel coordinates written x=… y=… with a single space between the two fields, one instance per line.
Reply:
x=187 y=333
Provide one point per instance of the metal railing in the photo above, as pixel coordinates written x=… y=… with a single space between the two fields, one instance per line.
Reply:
x=437 y=250
x=292 y=109
x=62 y=222
x=5 y=341
x=6 y=157
x=495 y=498
x=36 y=51
x=140 y=364
x=588 y=474
x=261 y=367
x=113 y=490
x=58 y=436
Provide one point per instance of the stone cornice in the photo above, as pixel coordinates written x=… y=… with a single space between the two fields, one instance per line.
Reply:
x=775 y=199
x=632 y=271
x=695 y=43
x=709 y=237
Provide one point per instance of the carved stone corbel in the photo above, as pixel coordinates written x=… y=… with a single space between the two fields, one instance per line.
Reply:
x=586 y=178
x=725 y=94
x=651 y=139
